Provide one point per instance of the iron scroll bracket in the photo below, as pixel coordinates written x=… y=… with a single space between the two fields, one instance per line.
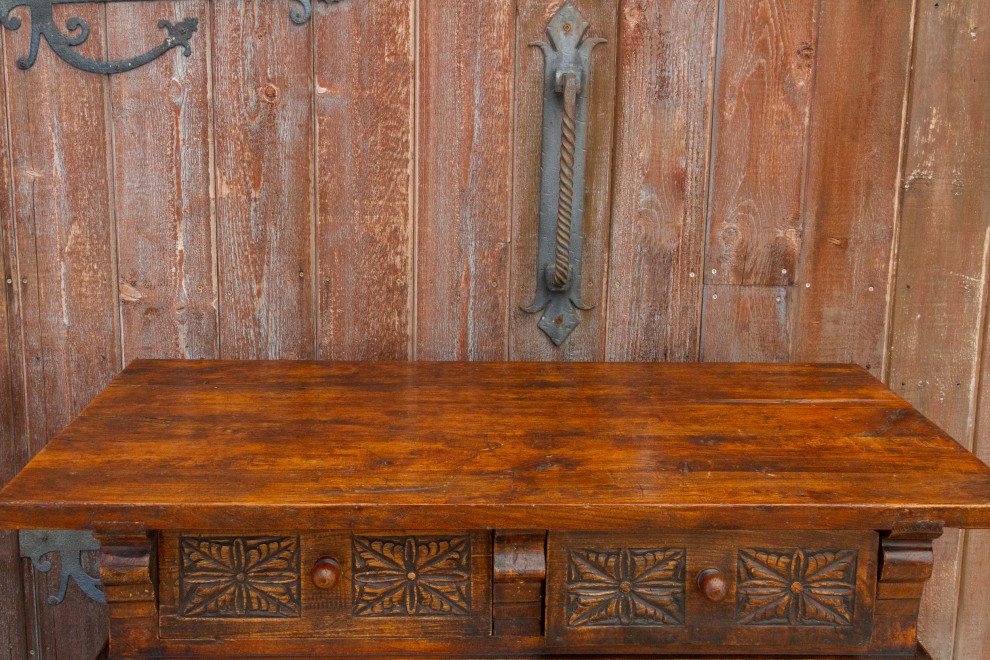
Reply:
x=69 y=545
x=43 y=25
x=567 y=69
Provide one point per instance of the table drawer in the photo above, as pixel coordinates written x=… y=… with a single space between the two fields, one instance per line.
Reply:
x=774 y=590
x=390 y=584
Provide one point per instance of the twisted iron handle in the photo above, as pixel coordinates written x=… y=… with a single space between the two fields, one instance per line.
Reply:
x=565 y=197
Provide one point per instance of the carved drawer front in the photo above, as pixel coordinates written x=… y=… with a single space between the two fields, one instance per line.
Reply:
x=325 y=584
x=698 y=591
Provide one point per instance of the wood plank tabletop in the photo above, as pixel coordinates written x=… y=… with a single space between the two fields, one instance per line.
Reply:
x=290 y=445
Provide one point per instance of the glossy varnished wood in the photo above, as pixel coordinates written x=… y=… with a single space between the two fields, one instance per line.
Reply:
x=265 y=445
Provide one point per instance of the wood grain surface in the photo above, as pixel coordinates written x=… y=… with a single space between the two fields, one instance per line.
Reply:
x=765 y=66
x=853 y=172
x=263 y=133
x=365 y=74
x=939 y=319
x=385 y=150
x=12 y=447
x=340 y=613
x=464 y=161
x=746 y=323
x=706 y=627
x=663 y=123
x=766 y=58
x=15 y=623
x=161 y=123
x=678 y=446
x=63 y=236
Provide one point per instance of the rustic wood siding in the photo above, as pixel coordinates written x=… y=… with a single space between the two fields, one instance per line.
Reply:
x=768 y=180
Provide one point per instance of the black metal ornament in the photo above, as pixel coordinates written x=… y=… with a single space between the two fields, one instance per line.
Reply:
x=69 y=545
x=566 y=77
x=77 y=31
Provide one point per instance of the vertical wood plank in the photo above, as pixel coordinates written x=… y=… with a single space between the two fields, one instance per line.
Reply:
x=263 y=132
x=939 y=316
x=762 y=98
x=365 y=115
x=766 y=57
x=465 y=171
x=665 y=84
x=527 y=341
x=854 y=162
x=161 y=129
x=63 y=238
x=746 y=323
x=972 y=635
x=13 y=644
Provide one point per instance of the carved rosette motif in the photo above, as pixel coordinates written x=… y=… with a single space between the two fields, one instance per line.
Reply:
x=625 y=587
x=795 y=587
x=411 y=576
x=240 y=577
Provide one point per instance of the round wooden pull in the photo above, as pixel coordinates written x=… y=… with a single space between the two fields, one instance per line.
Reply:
x=713 y=585
x=326 y=573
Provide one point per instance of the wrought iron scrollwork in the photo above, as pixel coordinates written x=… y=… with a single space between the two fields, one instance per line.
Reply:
x=300 y=15
x=77 y=32
x=69 y=545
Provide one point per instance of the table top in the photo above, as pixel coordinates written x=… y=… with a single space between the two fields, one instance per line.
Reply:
x=289 y=445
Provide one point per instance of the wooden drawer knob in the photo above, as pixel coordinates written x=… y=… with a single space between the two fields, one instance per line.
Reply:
x=326 y=573
x=713 y=585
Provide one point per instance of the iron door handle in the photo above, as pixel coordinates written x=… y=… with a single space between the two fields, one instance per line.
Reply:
x=567 y=68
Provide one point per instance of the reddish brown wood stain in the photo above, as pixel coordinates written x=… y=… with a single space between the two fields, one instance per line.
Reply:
x=388 y=153
x=664 y=113
x=763 y=94
x=365 y=74
x=161 y=123
x=647 y=430
x=12 y=629
x=854 y=159
x=466 y=62
x=263 y=134
x=669 y=467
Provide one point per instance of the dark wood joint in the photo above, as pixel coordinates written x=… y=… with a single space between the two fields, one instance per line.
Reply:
x=906 y=560
x=520 y=571
x=128 y=571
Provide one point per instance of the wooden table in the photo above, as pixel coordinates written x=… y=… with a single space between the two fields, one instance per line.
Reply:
x=306 y=508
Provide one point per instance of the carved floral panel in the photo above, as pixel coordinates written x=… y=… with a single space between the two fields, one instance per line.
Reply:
x=795 y=587
x=625 y=587
x=239 y=577
x=411 y=576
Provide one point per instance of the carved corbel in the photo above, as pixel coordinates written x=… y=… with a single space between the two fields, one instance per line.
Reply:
x=128 y=572
x=906 y=560
x=520 y=566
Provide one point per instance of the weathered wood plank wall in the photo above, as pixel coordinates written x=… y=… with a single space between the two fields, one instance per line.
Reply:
x=779 y=180
x=13 y=450
x=938 y=318
x=464 y=166
x=660 y=192
x=365 y=122
x=64 y=298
